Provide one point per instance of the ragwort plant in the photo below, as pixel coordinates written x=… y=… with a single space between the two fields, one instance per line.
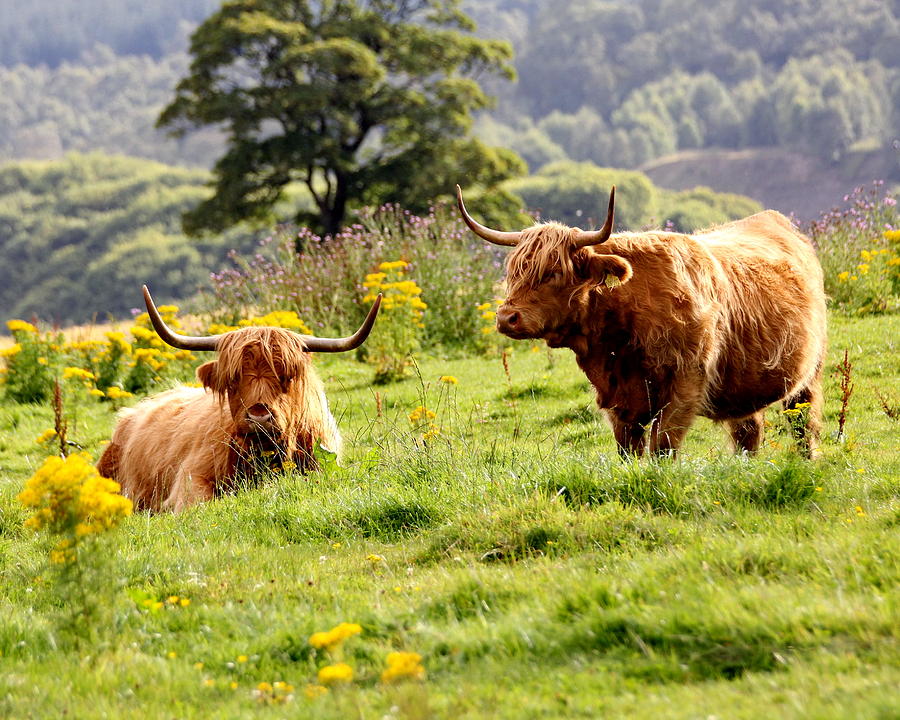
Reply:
x=30 y=362
x=859 y=248
x=398 y=334
x=75 y=508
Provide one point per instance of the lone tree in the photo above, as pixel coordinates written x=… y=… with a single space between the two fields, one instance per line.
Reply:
x=362 y=101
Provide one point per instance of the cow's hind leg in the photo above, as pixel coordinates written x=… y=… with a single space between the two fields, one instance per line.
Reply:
x=804 y=412
x=746 y=433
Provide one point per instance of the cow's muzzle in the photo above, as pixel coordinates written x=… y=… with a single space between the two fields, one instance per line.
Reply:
x=259 y=417
x=509 y=322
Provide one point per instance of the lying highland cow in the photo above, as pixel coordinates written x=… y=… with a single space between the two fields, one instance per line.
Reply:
x=187 y=445
x=667 y=326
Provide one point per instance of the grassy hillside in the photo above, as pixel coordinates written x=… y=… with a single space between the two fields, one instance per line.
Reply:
x=79 y=236
x=535 y=572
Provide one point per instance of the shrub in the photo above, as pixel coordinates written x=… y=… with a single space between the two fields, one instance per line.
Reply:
x=321 y=279
x=859 y=248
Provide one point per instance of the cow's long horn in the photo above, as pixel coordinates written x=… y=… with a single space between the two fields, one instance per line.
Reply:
x=595 y=237
x=317 y=344
x=497 y=237
x=184 y=342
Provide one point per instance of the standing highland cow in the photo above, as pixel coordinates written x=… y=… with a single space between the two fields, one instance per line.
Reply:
x=666 y=326
x=187 y=445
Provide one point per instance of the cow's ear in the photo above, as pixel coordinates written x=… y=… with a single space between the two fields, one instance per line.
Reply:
x=208 y=374
x=604 y=267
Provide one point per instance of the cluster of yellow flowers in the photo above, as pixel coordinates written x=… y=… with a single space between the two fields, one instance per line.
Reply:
x=330 y=639
x=287 y=319
x=403 y=666
x=336 y=674
x=885 y=257
x=21 y=326
x=276 y=693
x=71 y=499
x=423 y=416
x=397 y=293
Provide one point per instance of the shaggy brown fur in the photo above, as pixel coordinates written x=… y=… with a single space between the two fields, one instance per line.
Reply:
x=667 y=326
x=190 y=444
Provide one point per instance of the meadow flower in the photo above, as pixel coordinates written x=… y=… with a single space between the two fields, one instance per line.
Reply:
x=449 y=380
x=46 y=436
x=334 y=637
x=403 y=666
x=77 y=373
x=393 y=265
x=12 y=350
x=419 y=413
x=335 y=674
x=314 y=691
x=70 y=498
x=15 y=326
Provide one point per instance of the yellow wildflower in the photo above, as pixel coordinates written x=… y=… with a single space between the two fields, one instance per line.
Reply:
x=96 y=392
x=335 y=636
x=843 y=276
x=314 y=691
x=45 y=436
x=242 y=658
x=892 y=235
x=393 y=265
x=11 y=350
x=419 y=413
x=69 y=496
x=116 y=393
x=20 y=326
x=78 y=373
x=863 y=268
x=403 y=666
x=335 y=674
x=449 y=379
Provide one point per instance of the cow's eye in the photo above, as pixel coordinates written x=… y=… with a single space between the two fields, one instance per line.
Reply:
x=285 y=380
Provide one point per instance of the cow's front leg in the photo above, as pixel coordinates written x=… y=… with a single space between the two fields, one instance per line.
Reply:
x=188 y=489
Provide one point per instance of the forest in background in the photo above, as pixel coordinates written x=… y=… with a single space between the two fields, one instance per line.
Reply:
x=615 y=82
x=792 y=105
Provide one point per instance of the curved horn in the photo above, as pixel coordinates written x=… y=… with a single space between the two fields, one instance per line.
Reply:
x=317 y=344
x=595 y=237
x=497 y=237
x=184 y=342
x=313 y=344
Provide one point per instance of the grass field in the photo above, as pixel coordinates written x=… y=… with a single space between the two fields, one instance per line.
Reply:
x=536 y=573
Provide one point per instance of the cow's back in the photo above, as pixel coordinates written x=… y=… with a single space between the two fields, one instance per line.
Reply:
x=179 y=430
x=772 y=327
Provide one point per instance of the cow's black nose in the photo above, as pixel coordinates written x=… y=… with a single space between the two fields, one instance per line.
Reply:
x=508 y=319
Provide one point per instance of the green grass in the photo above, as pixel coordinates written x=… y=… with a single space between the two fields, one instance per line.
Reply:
x=537 y=574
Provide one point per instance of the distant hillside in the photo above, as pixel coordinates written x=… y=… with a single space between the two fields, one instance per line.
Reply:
x=791 y=182
x=79 y=236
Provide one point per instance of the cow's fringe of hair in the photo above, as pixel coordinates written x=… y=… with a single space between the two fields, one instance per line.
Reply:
x=545 y=248
x=284 y=353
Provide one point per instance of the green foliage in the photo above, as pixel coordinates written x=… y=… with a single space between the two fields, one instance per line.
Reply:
x=324 y=282
x=103 y=102
x=30 y=363
x=522 y=550
x=702 y=208
x=859 y=248
x=577 y=194
x=363 y=103
x=81 y=235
